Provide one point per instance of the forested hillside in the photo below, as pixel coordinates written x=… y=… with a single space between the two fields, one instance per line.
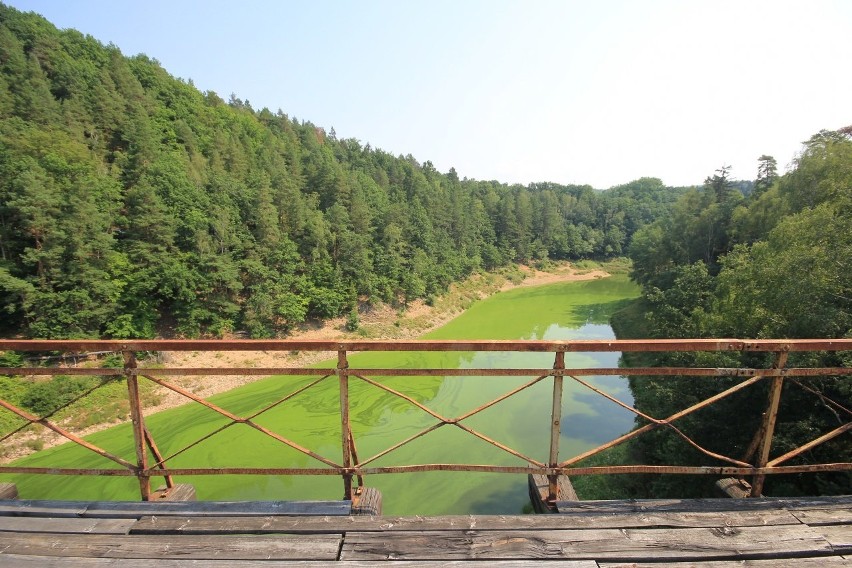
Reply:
x=777 y=264
x=132 y=204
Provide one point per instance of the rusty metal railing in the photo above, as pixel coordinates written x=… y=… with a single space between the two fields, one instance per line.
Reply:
x=150 y=463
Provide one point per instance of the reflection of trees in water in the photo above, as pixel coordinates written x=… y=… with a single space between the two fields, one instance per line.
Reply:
x=486 y=499
x=598 y=313
x=581 y=315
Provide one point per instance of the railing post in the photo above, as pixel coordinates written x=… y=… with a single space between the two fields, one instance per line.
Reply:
x=138 y=424
x=555 y=431
x=354 y=454
x=768 y=426
x=345 y=427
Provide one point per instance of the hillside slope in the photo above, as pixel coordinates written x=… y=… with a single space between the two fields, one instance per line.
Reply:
x=132 y=204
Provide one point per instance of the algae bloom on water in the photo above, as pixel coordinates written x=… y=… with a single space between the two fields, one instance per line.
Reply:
x=576 y=310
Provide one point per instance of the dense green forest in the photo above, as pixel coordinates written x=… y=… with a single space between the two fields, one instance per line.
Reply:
x=777 y=264
x=134 y=205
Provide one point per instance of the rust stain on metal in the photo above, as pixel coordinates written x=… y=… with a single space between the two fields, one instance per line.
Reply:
x=769 y=419
x=71 y=345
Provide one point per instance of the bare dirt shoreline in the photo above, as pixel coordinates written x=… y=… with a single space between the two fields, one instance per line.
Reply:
x=376 y=323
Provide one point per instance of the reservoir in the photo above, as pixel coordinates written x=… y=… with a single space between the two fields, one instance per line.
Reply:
x=564 y=311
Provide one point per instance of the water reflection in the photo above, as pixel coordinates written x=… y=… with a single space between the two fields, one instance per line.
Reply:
x=521 y=422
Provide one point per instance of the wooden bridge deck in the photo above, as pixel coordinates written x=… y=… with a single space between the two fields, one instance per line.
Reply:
x=587 y=534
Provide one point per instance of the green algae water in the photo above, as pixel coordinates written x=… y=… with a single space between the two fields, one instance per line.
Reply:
x=576 y=310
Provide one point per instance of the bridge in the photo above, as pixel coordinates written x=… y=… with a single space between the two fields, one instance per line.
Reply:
x=581 y=533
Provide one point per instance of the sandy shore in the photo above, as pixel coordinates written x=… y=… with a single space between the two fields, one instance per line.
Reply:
x=383 y=322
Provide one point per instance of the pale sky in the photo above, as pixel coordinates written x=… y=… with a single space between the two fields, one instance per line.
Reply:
x=597 y=92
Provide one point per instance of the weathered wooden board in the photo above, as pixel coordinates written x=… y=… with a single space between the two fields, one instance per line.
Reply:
x=136 y=509
x=699 y=505
x=807 y=503
x=825 y=516
x=755 y=532
x=368 y=503
x=733 y=487
x=180 y=492
x=470 y=564
x=840 y=537
x=291 y=547
x=539 y=487
x=260 y=525
x=691 y=544
x=829 y=561
x=17 y=561
x=68 y=525
x=223 y=508
x=30 y=508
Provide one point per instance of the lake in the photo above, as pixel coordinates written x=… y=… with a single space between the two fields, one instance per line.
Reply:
x=576 y=310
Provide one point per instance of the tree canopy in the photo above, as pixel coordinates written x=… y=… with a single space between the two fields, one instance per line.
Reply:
x=777 y=264
x=132 y=204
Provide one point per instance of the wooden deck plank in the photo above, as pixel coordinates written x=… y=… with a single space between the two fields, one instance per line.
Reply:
x=335 y=508
x=539 y=486
x=839 y=537
x=136 y=509
x=262 y=525
x=640 y=545
x=301 y=547
x=368 y=503
x=180 y=492
x=733 y=487
x=565 y=489
x=222 y=508
x=755 y=532
x=471 y=564
x=824 y=516
x=18 y=561
x=21 y=561
x=698 y=505
x=830 y=561
x=30 y=508
x=68 y=525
